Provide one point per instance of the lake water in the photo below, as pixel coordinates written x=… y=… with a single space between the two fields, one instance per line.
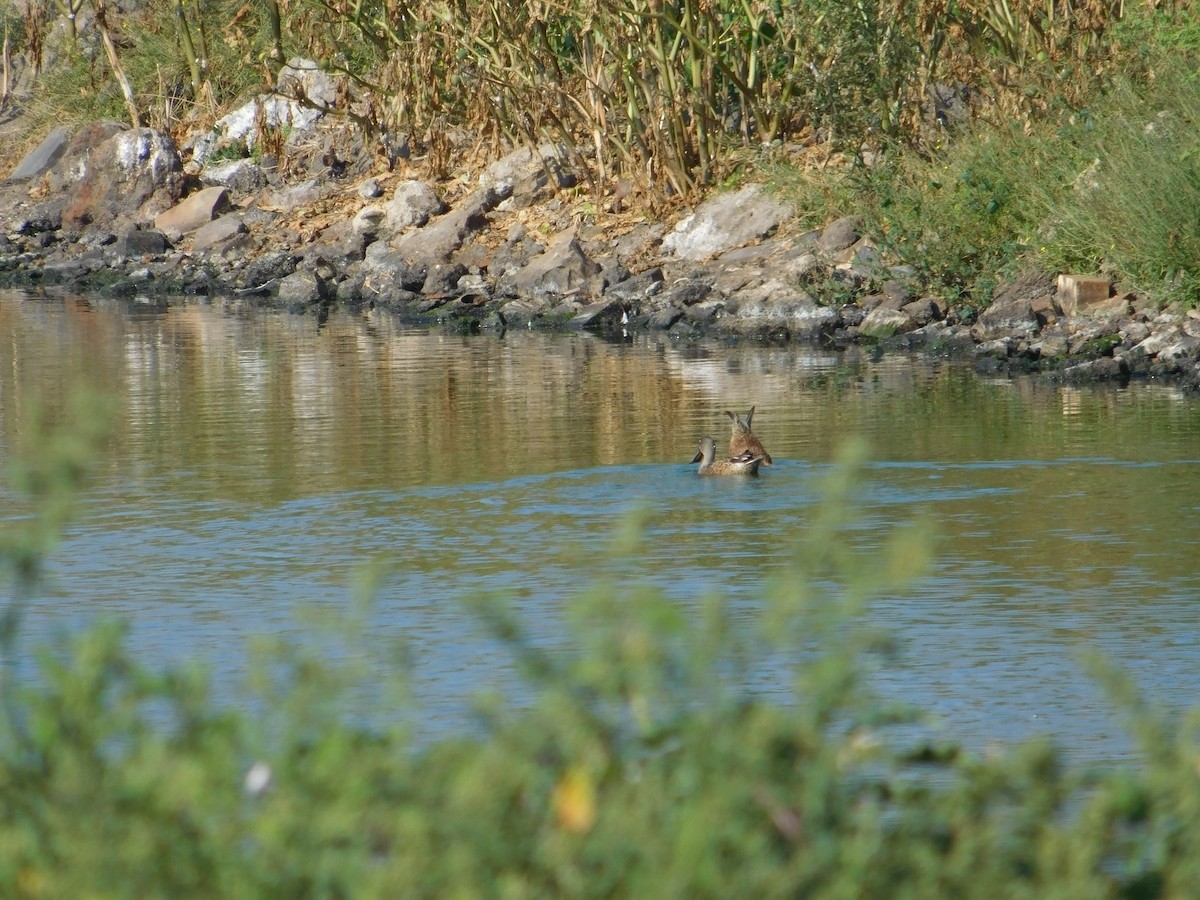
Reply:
x=260 y=464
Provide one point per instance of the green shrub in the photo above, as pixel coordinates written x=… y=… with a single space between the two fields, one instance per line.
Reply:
x=1130 y=206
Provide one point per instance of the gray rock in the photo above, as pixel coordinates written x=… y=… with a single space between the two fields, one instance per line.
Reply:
x=441 y=280
x=883 y=322
x=776 y=307
x=841 y=234
x=999 y=348
x=1050 y=346
x=306 y=193
x=664 y=317
x=604 y=315
x=1185 y=347
x=563 y=269
x=135 y=174
x=198 y=209
x=413 y=204
x=1006 y=318
x=530 y=169
x=300 y=79
x=688 y=292
x=437 y=241
x=1106 y=368
x=44 y=156
x=302 y=289
x=1113 y=307
x=220 y=234
x=142 y=243
x=727 y=221
x=241 y=176
x=639 y=287
x=1134 y=333
x=265 y=270
x=368 y=220
x=386 y=267
x=922 y=311
x=370 y=189
x=1157 y=342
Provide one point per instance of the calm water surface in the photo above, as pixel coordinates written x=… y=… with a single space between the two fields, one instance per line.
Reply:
x=260 y=464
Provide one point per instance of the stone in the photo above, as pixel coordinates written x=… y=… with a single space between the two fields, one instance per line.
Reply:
x=603 y=315
x=134 y=174
x=300 y=78
x=306 y=193
x=385 y=266
x=689 y=292
x=1106 y=368
x=1006 y=318
x=413 y=204
x=268 y=268
x=639 y=287
x=776 y=307
x=884 y=322
x=302 y=289
x=664 y=317
x=528 y=171
x=1050 y=346
x=1110 y=308
x=922 y=311
x=241 y=176
x=219 y=234
x=563 y=269
x=841 y=234
x=727 y=221
x=998 y=348
x=525 y=179
x=142 y=243
x=445 y=235
x=43 y=157
x=198 y=209
x=368 y=220
x=1157 y=342
x=441 y=279
x=1075 y=291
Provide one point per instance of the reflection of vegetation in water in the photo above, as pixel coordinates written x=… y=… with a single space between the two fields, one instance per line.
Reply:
x=642 y=767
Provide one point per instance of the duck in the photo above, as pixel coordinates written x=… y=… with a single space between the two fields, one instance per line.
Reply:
x=743 y=440
x=744 y=464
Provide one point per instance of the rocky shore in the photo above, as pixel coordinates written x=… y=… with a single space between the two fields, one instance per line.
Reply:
x=334 y=218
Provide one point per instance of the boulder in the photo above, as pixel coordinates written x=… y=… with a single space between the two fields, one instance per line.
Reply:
x=841 y=234
x=727 y=221
x=528 y=175
x=884 y=322
x=136 y=242
x=413 y=204
x=604 y=315
x=219 y=234
x=134 y=175
x=241 y=176
x=43 y=157
x=1004 y=319
x=562 y=270
x=198 y=209
x=443 y=236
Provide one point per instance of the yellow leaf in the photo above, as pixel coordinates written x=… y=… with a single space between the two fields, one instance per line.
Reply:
x=574 y=801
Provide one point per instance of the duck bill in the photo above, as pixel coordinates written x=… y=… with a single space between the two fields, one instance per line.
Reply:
x=699 y=456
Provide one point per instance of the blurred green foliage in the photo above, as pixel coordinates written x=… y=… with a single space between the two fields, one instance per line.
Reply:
x=642 y=764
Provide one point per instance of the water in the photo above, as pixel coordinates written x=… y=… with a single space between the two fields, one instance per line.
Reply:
x=261 y=465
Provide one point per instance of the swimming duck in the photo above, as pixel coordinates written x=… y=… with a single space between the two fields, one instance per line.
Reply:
x=743 y=440
x=745 y=464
